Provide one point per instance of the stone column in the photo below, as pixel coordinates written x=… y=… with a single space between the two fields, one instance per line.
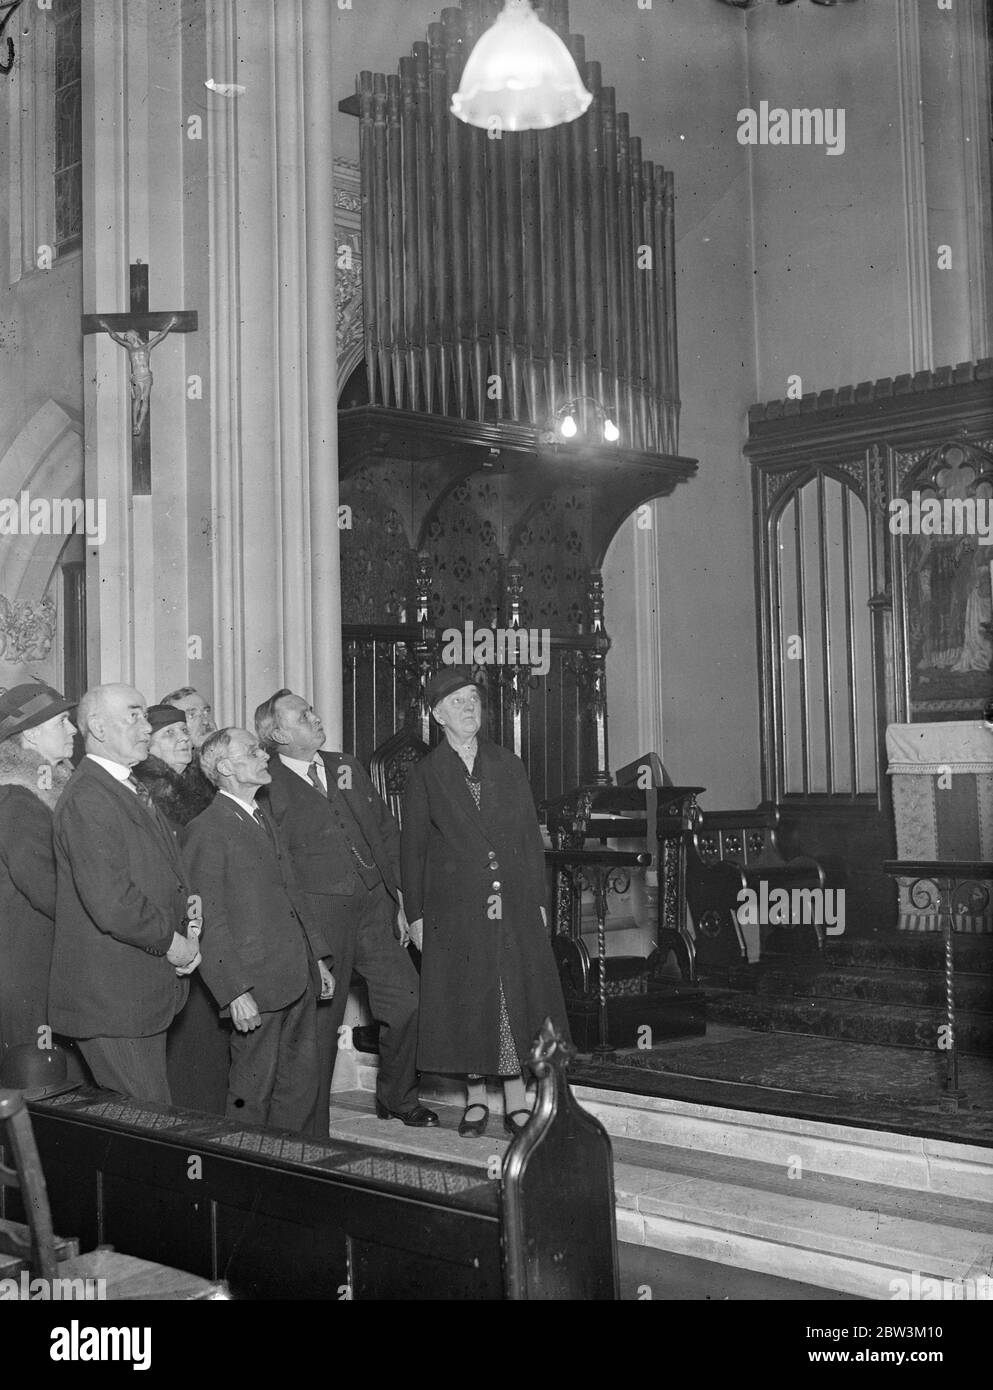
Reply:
x=110 y=623
x=133 y=210
x=272 y=367
x=322 y=393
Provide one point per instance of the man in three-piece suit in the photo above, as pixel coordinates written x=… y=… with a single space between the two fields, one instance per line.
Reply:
x=121 y=929
x=345 y=849
x=256 y=961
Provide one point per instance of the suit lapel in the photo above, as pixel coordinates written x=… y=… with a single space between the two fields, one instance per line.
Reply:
x=291 y=787
x=231 y=811
x=162 y=835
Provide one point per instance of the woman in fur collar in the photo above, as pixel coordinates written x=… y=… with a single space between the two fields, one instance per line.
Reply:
x=170 y=772
x=35 y=743
x=197 y=1051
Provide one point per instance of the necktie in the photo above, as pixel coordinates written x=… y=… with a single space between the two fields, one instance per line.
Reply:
x=314 y=776
x=143 y=794
x=145 y=797
x=263 y=825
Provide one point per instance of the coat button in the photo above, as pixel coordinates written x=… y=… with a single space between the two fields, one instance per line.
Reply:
x=496 y=885
x=494 y=865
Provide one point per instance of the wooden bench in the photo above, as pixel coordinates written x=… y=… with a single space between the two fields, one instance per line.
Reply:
x=280 y=1215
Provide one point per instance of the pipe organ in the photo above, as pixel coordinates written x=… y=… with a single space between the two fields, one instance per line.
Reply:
x=505 y=276
x=508 y=273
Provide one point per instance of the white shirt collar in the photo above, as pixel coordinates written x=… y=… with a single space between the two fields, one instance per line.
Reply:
x=248 y=806
x=117 y=770
x=302 y=766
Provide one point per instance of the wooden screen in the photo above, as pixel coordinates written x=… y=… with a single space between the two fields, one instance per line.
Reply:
x=820 y=656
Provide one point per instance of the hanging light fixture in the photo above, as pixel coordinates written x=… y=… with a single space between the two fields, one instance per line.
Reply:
x=568 y=428
x=520 y=76
x=565 y=425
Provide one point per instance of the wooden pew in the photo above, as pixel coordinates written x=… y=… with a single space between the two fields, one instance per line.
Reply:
x=279 y=1216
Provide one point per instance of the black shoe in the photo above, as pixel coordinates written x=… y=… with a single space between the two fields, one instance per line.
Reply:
x=475 y=1128
x=512 y=1124
x=419 y=1115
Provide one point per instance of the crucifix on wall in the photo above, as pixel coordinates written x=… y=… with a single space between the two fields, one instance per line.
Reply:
x=132 y=332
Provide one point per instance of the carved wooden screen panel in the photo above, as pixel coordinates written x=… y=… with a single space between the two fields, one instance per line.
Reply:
x=439 y=552
x=821 y=651
x=879 y=441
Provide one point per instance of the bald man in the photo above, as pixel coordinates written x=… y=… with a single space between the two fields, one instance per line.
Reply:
x=122 y=947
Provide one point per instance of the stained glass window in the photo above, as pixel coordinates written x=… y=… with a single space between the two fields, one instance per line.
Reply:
x=68 y=127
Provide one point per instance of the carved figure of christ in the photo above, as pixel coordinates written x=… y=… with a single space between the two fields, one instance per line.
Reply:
x=131 y=332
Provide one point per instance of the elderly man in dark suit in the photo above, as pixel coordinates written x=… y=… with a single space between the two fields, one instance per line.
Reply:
x=255 y=956
x=122 y=943
x=345 y=850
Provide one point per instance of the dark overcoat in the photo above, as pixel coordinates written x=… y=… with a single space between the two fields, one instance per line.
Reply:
x=27 y=912
x=121 y=893
x=477 y=878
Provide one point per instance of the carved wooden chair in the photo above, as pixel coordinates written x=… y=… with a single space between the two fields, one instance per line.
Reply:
x=390 y=764
x=35 y=1248
x=731 y=851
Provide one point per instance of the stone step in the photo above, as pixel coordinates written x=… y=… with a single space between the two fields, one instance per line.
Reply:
x=852 y=1021
x=853 y=1152
x=925 y=988
x=920 y=950
x=850 y=1209
x=846 y=1209
x=859 y=1238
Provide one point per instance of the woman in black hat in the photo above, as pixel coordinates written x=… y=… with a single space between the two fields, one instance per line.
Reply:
x=197 y=1050
x=474 y=894
x=35 y=745
x=169 y=772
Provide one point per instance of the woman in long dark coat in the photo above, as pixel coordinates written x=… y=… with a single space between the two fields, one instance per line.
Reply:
x=474 y=894
x=35 y=745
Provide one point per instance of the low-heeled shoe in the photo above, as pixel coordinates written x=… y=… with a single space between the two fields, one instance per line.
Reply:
x=419 y=1116
x=474 y=1127
x=512 y=1124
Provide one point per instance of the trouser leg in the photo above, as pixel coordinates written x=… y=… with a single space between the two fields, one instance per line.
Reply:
x=134 y=1066
x=253 y=1070
x=329 y=1019
x=295 y=1084
x=393 y=990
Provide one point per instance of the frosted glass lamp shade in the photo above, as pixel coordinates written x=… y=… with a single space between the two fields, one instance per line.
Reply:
x=520 y=76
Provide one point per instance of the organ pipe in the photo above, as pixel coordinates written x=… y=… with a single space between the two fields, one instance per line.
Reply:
x=506 y=273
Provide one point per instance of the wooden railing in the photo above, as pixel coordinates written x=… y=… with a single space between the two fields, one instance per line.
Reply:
x=556 y=722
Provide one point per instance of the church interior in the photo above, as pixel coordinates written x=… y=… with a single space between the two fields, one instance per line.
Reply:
x=420 y=399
